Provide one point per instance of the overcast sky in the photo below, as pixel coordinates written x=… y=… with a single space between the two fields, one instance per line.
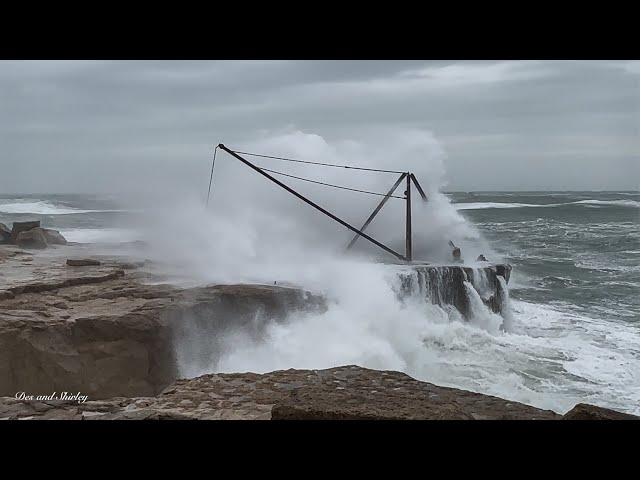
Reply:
x=82 y=126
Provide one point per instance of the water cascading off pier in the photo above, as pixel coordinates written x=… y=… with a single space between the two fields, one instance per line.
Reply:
x=448 y=285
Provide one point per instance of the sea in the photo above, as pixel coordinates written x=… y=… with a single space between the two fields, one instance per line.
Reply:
x=574 y=297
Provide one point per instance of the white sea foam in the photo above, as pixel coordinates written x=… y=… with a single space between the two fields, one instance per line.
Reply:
x=485 y=205
x=550 y=356
x=551 y=360
x=547 y=357
x=620 y=203
x=100 y=235
x=43 y=208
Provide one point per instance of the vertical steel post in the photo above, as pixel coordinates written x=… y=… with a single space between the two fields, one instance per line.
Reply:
x=408 y=253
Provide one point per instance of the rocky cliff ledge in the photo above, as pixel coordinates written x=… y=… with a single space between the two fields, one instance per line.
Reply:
x=101 y=328
x=97 y=325
x=341 y=393
x=107 y=333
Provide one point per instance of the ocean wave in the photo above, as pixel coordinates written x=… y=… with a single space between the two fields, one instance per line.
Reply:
x=44 y=208
x=99 y=235
x=620 y=203
x=605 y=267
x=485 y=205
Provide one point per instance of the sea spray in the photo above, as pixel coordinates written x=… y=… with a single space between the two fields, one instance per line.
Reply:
x=571 y=343
x=480 y=314
x=506 y=311
x=264 y=235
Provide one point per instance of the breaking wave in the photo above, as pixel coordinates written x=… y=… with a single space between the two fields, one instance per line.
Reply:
x=99 y=235
x=484 y=205
x=44 y=208
x=544 y=356
x=551 y=359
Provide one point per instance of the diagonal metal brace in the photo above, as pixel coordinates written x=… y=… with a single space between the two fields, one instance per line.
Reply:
x=378 y=208
x=420 y=191
x=309 y=202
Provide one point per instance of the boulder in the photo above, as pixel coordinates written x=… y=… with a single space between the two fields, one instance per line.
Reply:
x=5 y=234
x=582 y=411
x=53 y=237
x=356 y=393
x=19 y=227
x=33 y=238
x=82 y=262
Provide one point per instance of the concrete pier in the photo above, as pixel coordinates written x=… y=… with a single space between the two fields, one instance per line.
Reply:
x=445 y=285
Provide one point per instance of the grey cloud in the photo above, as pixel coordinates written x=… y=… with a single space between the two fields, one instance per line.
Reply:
x=86 y=126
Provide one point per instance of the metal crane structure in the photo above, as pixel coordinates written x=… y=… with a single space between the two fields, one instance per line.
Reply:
x=407 y=177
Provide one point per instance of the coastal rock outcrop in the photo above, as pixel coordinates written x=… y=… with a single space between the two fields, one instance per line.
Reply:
x=583 y=411
x=99 y=333
x=341 y=393
x=347 y=392
x=54 y=237
x=354 y=393
x=5 y=234
x=33 y=238
x=118 y=336
x=30 y=235
x=19 y=227
x=83 y=262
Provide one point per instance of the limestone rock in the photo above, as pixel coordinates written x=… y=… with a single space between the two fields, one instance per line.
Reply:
x=355 y=393
x=5 y=234
x=347 y=392
x=19 y=227
x=82 y=262
x=130 y=265
x=41 y=287
x=33 y=238
x=118 y=336
x=583 y=411
x=54 y=237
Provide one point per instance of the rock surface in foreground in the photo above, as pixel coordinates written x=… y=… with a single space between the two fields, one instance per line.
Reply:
x=340 y=393
x=583 y=411
x=83 y=262
x=354 y=393
x=348 y=392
